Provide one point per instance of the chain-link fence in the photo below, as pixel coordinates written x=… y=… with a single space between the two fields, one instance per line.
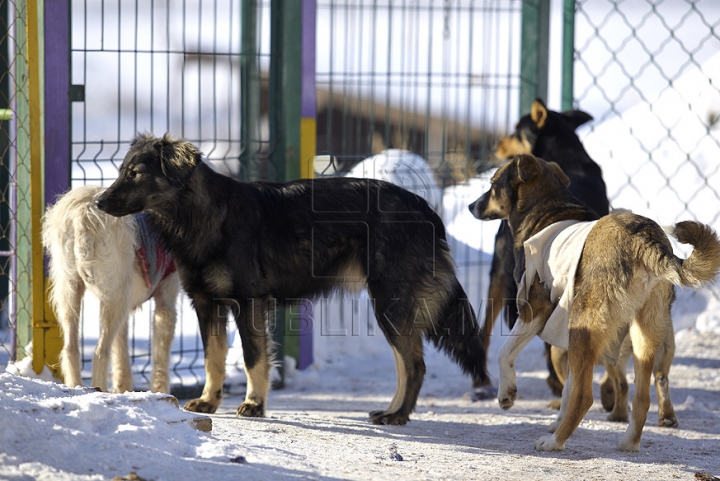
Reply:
x=649 y=72
x=15 y=289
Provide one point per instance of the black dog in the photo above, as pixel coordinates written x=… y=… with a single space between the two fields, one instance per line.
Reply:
x=240 y=247
x=551 y=136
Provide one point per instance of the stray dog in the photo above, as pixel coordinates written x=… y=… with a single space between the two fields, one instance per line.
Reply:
x=117 y=259
x=551 y=136
x=623 y=283
x=242 y=246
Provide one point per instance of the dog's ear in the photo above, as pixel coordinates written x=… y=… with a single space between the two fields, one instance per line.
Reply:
x=538 y=113
x=527 y=167
x=576 y=118
x=559 y=172
x=178 y=158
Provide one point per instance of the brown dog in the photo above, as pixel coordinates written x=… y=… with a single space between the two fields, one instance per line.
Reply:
x=623 y=284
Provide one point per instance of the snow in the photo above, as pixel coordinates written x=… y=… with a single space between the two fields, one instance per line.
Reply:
x=317 y=427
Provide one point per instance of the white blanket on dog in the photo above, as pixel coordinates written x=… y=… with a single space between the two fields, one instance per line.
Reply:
x=553 y=254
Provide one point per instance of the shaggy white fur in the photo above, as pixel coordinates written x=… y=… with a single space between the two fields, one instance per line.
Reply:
x=90 y=250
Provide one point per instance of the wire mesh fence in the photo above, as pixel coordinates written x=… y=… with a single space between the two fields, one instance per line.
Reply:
x=15 y=333
x=177 y=67
x=419 y=93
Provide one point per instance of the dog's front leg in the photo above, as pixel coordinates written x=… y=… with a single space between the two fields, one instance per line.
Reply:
x=256 y=344
x=213 y=331
x=533 y=316
x=164 y=322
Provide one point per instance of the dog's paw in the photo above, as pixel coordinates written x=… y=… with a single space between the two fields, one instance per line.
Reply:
x=619 y=417
x=628 y=445
x=391 y=419
x=548 y=443
x=251 y=410
x=508 y=397
x=555 y=404
x=201 y=406
x=668 y=421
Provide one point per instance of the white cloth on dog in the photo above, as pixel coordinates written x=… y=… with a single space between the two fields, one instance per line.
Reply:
x=553 y=254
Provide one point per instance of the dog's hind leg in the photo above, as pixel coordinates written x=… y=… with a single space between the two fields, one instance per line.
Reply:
x=581 y=358
x=164 y=321
x=617 y=378
x=67 y=298
x=213 y=331
x=256 y=346
x=404 y=335
x=663 y=358
x=647 y=333
x=113 y=323
x=410 y=367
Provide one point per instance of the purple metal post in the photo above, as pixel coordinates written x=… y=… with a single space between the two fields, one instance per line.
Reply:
x=57 y=99
x=308 y=101
x=307 y=110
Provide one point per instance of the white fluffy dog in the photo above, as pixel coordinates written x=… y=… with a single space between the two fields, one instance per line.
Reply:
x=116 y=259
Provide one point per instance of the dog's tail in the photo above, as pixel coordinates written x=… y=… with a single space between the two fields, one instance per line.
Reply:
x=458 y=334
x=703 y=264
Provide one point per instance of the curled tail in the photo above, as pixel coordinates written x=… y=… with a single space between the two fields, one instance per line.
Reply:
x=703 y=264
x=459 y=335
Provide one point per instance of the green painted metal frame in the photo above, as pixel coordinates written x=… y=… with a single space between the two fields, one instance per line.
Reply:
x=568 y=54
x=534 y=56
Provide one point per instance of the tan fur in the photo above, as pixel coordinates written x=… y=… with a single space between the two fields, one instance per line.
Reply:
x=511 y=146
x=614 y=385
x=92 y=251
x=624 y=282
x=538 y=113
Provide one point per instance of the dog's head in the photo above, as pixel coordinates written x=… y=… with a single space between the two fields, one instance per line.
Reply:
x=515 y=186
x=540 y=121
x=150 y=175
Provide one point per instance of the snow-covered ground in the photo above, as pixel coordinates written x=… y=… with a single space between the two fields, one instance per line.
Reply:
x=317 y=428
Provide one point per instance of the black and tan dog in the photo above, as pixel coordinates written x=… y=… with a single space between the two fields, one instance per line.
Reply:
x=551 y=136
x=623 y=284
x=241 y=246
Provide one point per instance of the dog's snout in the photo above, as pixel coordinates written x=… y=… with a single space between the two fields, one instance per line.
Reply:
x=101 y=203
x=472 y=207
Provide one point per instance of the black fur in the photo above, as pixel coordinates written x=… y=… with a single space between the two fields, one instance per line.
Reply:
x=243 y=245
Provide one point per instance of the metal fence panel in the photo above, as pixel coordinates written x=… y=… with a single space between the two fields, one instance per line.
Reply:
x=178 y=67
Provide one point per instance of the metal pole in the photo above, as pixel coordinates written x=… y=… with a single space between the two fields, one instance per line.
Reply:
x=249 y=94
x=568 y=60
x=534 y=56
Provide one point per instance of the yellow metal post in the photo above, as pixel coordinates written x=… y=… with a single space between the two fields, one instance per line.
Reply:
x=47 y=341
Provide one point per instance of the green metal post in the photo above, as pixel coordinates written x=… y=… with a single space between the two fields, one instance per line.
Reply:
x=568 y=60
x=285 y=115
x=249 y=94
x=21 y=168
x=535 y=41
